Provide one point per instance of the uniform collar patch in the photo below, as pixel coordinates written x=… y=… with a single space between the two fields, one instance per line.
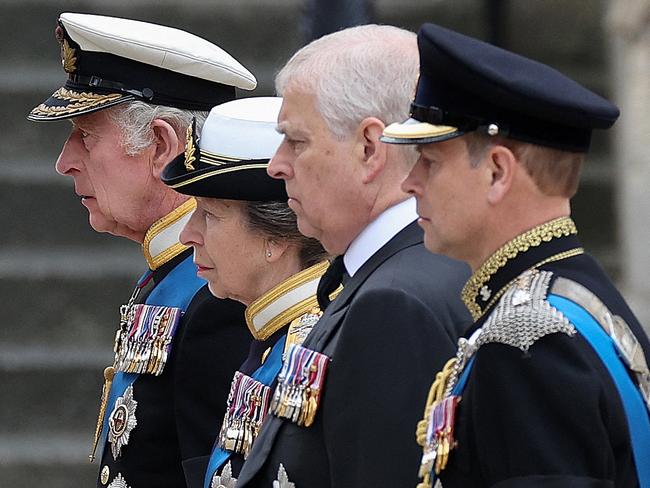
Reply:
x=161 y=242
x=285 y=302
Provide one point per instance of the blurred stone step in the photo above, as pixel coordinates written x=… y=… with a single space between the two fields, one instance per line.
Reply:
x=58 y=297
x=40 y=208
x=51 y=389
x=52 y=459
x=55 y=475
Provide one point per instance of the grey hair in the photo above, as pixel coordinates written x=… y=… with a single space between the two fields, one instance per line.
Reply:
x=359 y=72
x=134 y=120
x=277 y=222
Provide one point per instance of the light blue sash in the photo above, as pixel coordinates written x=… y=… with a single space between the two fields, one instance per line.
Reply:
x=264 y=374
x=633 y=403
x=177 y=289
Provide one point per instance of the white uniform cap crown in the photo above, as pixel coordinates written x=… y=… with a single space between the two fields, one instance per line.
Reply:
x=157 y=45
x=243 y=128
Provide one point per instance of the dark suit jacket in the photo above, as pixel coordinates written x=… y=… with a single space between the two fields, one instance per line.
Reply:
x=178 y=411
x=396 y=321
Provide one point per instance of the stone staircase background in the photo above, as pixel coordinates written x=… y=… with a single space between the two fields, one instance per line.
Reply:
x=61 y=283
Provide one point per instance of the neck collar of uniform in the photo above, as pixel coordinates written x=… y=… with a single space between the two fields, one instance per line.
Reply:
x=285 y=302
x=162 y=240
x=551 y=241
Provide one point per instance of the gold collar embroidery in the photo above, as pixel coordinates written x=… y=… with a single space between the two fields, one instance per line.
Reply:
x=285 y=302
x=560 y=227
x=161 y=242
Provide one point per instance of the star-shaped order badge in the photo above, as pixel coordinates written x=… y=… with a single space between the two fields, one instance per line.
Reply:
x=122 y=421
x=225 y=480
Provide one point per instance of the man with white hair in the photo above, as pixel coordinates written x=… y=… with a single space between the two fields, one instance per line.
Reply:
x=346 y=396
x=132 y=91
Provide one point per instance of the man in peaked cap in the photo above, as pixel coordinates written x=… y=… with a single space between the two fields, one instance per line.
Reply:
x=553 y=374
x=131 y=92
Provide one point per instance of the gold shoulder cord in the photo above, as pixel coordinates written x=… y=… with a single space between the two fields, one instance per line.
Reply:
x=436 y=394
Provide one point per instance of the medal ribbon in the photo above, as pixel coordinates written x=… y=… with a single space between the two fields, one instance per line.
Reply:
x=299 y=387
x=176 y=289
x=264 y=375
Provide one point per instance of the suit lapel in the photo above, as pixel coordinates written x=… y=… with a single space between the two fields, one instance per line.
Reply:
x=411 y=235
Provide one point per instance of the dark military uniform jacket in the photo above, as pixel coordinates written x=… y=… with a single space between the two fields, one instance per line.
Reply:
x=170 y=418
x=281 y=317
x=395 y=318
x=539 y=407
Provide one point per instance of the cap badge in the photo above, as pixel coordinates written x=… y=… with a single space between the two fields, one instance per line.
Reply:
x=68 y=58
x=190 y=149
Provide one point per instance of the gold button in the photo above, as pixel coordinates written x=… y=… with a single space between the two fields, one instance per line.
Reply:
x=105 y=475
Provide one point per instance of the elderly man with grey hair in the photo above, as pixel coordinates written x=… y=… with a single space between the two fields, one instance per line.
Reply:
x=132 y=91
x=347 y=399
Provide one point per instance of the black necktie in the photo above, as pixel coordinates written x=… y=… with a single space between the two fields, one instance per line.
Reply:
x=330 y=281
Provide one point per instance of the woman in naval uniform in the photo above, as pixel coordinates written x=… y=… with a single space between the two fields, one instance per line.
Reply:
x=247 y=246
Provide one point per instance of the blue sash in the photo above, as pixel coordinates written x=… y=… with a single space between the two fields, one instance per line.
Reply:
x=264 y=374
x=176 y=289
x=633 y=403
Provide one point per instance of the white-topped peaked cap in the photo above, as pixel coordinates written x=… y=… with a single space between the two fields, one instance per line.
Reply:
x=157 y=45
x=243 y=129
x=231 y=157
x=110 y=60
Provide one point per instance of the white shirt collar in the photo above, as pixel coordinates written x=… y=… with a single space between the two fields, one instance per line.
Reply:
x=381 y=230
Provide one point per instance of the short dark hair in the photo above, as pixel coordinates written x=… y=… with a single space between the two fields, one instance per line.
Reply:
x=276 y=221
x=555 y=172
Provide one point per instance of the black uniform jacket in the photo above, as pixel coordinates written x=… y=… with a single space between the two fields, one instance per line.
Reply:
x=395 y=320
x=551 y=417
x=195 y=469
x=177 y=411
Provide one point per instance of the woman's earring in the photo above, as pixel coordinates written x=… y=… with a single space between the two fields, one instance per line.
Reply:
x=268 y=254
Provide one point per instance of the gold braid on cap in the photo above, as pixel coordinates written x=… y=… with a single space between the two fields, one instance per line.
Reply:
x=68 y=58
x=190 y=149
x=78 y=101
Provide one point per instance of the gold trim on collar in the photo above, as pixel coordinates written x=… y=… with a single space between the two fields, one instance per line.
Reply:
x=560 y=227
x=158 y=228
x=291 y=311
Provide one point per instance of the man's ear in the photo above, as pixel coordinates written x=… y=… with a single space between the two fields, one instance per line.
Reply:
x=503 y=166
x=372 y=151
x=167 y=145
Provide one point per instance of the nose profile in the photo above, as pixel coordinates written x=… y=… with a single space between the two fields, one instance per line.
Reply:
x=279 y=167
x=413 y=183
x=191 y=235
x=69 y=158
